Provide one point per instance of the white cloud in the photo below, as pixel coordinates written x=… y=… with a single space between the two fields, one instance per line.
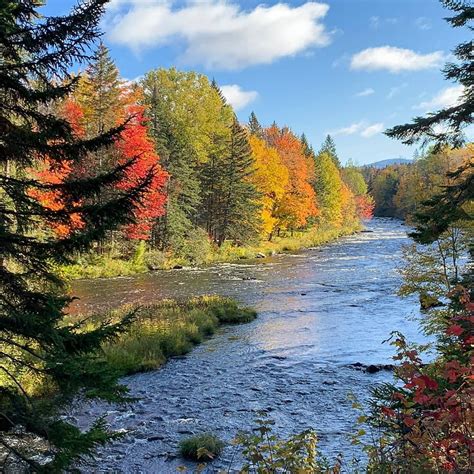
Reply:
x=217 y=33
x=237 y=97
x=447 y=97
x=363 y=129
x=423 y=23
x=349 y=130
x=395 y=59
x=365 y=92
x=372 y=130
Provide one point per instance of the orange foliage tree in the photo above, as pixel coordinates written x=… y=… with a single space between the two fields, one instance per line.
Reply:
x=135 y=144
x=53 y=173
x=298 y=204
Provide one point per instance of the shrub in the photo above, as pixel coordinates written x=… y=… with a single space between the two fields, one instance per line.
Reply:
x=267 y=453
x=201 y=447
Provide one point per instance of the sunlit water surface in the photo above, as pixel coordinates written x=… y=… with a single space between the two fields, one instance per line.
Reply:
x=319 y=311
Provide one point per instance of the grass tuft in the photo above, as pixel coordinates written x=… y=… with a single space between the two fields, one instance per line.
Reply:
x=201 y=447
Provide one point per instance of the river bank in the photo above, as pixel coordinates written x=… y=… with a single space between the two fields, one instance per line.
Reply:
x=320 y=310
x=168 y=329
x=143 y=260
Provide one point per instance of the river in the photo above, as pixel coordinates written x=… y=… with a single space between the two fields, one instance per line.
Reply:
x=320 y=310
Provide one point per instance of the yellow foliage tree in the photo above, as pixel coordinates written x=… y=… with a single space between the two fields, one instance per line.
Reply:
x=271 y=180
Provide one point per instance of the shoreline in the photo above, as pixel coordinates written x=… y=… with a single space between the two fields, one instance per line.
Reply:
x=110 y=267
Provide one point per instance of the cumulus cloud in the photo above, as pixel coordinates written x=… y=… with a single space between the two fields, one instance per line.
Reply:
x=365 y=92
x=363 y=129
x=217 y=33
x=447 y=97
x=237 y=97
x=395 y=60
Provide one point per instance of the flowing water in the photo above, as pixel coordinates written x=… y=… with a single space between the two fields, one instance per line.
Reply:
x=320 y=311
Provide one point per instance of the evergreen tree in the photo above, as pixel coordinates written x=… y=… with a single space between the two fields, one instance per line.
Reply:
x=187 y=118
x=254 y=126
x=36 y=344
x=100 y=92
x=307 y=148
x=329 y=147
x=230 y=200
x=237 y=216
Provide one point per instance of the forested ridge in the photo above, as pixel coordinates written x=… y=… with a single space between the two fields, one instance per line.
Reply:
x=401 y=190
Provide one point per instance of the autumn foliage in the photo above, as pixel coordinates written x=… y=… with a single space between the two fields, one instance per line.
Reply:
x=135 y=144
x=427 y=421
x=52 y=173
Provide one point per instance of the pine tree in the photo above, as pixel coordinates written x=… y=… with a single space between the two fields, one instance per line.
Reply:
x=328 y=187
x=35 y=341
x=230 y=200
x=329 y=147
x=254 y=126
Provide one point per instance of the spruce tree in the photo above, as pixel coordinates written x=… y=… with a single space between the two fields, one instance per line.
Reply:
x=237 y=196
x=36 y=342
x=329 y=147
x=101 y=91
x=254 y=126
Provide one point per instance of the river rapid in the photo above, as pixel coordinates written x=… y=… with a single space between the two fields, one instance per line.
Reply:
x=320 y=310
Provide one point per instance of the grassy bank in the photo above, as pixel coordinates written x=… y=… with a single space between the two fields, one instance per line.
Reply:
x=143 y=260
x=169 y=328
x=159 y=331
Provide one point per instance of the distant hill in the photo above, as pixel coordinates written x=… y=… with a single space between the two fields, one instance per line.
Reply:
x=392 y=161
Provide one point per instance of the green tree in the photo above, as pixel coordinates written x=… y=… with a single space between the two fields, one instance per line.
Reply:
x=328 y=187
x=230 y=199
x=307 y=148
x=187 y=122
x=384 y=188
x=99 y=93
x=446 y=127
x=254 y=126
x=329 y=147
x=37 y=347
x=355 y=180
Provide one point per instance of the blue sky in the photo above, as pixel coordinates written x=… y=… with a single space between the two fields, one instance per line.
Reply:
x=347 y=67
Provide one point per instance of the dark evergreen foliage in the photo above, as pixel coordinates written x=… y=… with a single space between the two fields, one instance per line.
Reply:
x=35 y=341
x=254 y=126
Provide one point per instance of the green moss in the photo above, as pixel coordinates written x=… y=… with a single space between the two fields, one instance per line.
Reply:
x=201 y=447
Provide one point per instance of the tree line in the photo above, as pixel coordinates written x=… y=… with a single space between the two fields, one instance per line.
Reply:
x=215 y=180
x=401 y=190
